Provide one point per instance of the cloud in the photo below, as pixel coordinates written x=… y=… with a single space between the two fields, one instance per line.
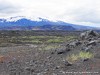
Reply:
x=8 y=9
x=73 y=11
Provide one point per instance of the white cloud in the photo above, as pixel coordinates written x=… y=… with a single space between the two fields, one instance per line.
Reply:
x=72 y=11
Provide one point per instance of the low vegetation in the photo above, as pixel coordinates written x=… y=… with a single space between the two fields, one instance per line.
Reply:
x=85 y=55
x=81 y=55
x=55 y=41
x=38 y=39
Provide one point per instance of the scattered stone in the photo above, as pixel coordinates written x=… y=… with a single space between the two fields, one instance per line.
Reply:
x=13 y=73
x=68 y=49
x=39 y=74
x=48 y=57
x=54 y=64
x=54 y=74
x=31 y=64
x=28 y=68
x=32 y=70
x=52 y=52
x=60 y=52
x=78 y=43
x=66 y=63
x=63 y=72
x=13 y=69
x=46 y=70
x=57 y=67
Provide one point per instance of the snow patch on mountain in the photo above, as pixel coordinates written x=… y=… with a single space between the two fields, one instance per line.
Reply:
x=14 y=19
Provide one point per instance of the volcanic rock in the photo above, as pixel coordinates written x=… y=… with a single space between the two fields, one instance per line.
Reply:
x=89 y=34
x=86 y=48
x=62 y=51
x=74 y=44
x=91 y=43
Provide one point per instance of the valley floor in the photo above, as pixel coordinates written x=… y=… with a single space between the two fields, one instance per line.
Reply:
x=44 y=53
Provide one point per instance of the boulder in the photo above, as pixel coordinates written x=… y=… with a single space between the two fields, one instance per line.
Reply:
x=86 y=48
x=93 y=42
x=92 y=33
x=62 y=51
x=74 y=44
x=89 y=34
x=85 y=59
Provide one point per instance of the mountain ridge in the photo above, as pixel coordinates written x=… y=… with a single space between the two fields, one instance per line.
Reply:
x=21 y=23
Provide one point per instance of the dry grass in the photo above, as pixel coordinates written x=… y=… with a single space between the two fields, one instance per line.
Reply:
x=84 y=55
x=81 y=55
x=72 y=58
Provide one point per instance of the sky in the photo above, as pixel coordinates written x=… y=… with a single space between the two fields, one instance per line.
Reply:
x=83 y=12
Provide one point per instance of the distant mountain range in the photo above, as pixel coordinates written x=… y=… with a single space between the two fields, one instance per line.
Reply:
x=41 y=24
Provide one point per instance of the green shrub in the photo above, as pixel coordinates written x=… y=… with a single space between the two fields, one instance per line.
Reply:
x=82 y=55
x=55 y=41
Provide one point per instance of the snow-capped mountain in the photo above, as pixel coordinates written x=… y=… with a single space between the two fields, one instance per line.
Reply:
x=23 y=23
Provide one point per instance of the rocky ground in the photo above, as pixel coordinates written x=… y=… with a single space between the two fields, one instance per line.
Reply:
x=80 y=56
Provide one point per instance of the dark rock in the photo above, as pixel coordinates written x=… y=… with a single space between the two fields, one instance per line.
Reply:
x=86 y=48
x=61 y=51
x=48 y=57
x=46 y=69
x=28 y=68
x=57 y=67
x=74 y=44
x=86 y=59
x=52 y=52
x=66 y=63
x=89 y=39
x=31 y=64
x=89 y=34
x=82 y=35
x=91 y=43
x=13 y=73
x=54 y=74
x=13 y=69
x=68 y=49
x=32 y=70
x=93 y=33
